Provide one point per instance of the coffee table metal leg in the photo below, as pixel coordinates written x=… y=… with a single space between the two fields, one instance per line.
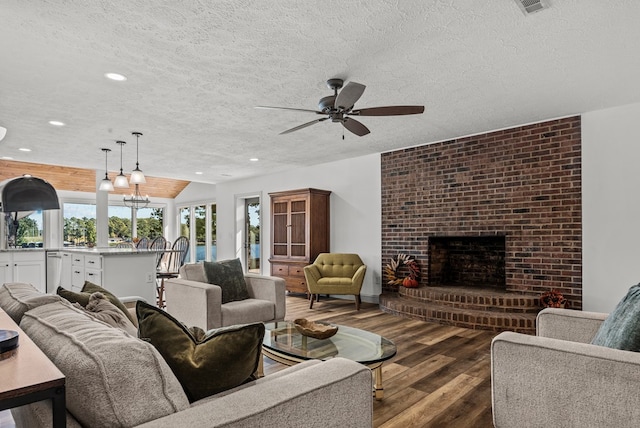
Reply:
x=378 y=390
x=260 y=371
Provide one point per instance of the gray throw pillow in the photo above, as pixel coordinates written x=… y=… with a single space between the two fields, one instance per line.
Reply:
x=100 y=308
x=621 y=329
x=229 y=276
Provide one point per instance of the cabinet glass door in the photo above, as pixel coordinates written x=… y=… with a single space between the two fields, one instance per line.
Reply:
x=297 y=228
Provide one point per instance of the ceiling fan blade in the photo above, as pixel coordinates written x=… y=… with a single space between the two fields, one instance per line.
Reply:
x=288 y=108
x=356 y=127
x=388 y=111
x=349 y=95
x=304 y=125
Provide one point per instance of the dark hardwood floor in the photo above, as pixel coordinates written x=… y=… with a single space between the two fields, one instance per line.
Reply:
x=440 y=376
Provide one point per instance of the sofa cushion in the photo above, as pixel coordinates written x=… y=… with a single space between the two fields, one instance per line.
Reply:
x=100 y=308
x=16 y=298
x=89 y=288
x=229 y=276
x=205 y=363
x=621 y=329
x=112 y=379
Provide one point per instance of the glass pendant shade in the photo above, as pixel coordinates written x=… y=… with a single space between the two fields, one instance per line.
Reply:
x=121 y=180
x=137 y=177
x=105 y=184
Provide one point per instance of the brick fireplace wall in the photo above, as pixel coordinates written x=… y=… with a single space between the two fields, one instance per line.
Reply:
x=523 y=183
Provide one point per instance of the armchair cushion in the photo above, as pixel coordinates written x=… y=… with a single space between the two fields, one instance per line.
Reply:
x=205 y=363
x=621 y=329
x=229 y=276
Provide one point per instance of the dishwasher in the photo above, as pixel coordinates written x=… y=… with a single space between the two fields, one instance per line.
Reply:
x=54 y=270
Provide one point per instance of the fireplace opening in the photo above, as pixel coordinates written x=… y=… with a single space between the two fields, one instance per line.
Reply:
x=477 y=261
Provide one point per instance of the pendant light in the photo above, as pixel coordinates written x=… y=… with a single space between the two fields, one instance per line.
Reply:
x=121 y=179
x=137 y=177
x=106 y=184
x=136 y=200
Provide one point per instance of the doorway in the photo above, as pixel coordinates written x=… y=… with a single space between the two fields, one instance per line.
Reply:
x=252 y=234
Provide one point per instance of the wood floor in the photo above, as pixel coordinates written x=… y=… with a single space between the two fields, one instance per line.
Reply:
x=440 y=376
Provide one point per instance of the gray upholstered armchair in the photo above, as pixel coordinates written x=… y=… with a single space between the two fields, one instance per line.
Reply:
x=557 y=378
x=335 y=273
x=193 y=301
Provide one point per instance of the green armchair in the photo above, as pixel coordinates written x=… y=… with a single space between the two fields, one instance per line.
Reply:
x=335 y=273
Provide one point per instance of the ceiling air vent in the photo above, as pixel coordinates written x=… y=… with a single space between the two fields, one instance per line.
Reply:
x=531 y=6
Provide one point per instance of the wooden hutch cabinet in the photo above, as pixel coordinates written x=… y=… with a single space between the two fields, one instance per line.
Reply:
x=299 y=232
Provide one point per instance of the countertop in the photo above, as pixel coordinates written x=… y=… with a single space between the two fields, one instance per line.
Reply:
x=95 y=251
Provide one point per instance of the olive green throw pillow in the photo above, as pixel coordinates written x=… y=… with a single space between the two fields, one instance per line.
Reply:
x=205 y=363
x=82 y=298
x=621 y=329
x=229 y=276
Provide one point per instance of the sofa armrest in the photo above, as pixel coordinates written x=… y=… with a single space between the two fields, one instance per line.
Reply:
x=567 y=324
x=269 y=288
x=542 y=382
x=194 y=303
x=334 y=393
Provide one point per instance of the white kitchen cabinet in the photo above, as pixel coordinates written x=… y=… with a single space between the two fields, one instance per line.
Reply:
x=24 y=266
x=123 y=272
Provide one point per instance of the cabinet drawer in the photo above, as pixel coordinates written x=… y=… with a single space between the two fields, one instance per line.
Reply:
x=94 y=276
x=93 y=262
x=77 y=260
x=296 y=271
x=279 y=270
x=77 y=276
x=296 y=284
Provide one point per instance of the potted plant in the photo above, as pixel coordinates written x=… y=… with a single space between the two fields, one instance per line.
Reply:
x=553 y=299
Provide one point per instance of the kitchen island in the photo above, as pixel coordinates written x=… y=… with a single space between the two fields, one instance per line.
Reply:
x=122 y=271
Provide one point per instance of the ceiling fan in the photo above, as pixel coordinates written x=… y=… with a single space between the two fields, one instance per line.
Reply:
x=339 y=108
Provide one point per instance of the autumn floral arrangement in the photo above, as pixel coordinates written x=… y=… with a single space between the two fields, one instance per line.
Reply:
x=553 y=299
x=394 y=274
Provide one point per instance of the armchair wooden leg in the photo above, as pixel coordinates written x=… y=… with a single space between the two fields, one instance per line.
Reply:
x=311 y=302
x=357 y=299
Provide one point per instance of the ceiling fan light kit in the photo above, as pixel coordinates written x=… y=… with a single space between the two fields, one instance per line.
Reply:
x=339 y=108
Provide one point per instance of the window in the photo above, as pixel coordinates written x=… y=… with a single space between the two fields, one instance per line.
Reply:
x=150 y=222
x=29 y=232
x=79 y=224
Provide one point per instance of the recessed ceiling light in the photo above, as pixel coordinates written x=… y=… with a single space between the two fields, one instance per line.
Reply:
x=198 y=172
x=115 y=76
x=7 y=158
x=254 y=159
x=23 y=149
x=56 y=123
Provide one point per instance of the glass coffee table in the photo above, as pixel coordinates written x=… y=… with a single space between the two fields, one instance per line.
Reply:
x=284 y=344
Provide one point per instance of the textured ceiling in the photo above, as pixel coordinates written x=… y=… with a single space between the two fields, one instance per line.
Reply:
x=196 y=69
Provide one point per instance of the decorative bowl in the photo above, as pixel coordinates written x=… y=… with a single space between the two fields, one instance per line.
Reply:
x=316 y=330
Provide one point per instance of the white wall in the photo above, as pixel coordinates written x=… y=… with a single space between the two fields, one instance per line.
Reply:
x=355 y=210
x=610 y=205
x=196 y=193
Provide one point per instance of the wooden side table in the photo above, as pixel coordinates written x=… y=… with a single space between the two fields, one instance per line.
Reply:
x=29 y=376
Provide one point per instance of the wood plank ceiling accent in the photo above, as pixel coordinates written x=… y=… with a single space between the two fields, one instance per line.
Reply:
x=84 y=180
